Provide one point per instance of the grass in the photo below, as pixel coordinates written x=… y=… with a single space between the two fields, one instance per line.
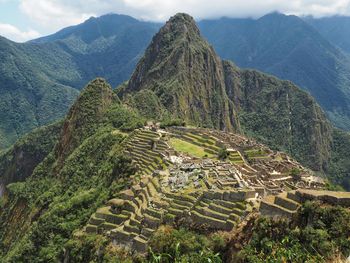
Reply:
x=256 y=153
x=116 y=132
x=189 y=148
x=331 y=193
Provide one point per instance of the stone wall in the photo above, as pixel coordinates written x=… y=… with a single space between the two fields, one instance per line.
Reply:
x=274 y=211
x=330 y=197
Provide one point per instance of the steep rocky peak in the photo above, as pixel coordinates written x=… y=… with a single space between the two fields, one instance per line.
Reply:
x=185 y=73
x=181 y=24
x=178 y=36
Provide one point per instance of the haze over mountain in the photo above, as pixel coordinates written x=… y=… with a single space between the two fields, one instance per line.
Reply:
x=335 y=29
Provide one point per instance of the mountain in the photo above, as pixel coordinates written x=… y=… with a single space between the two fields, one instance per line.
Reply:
x=104 y=177
x=70 y=183
x=108 y=46
x=281 y=115
x=289 y=48
x=32 y=88
x=39 y=80
x=335 y=29
x=48 y=71
x=19 y=162
x=182 y=72
x=185 y=74
x=83 y=117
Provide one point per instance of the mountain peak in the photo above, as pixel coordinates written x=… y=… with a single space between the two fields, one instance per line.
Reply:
x=84 y=116
x=182 y=18
x=184 y=72
x=179 y=25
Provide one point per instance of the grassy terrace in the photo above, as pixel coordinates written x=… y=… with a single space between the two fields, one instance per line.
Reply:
x=256 y=153
x=189 y=148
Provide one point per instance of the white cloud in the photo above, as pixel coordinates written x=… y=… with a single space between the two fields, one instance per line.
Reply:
x=55 y=14
x=13 y=33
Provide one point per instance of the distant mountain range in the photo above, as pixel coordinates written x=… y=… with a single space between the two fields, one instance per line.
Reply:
x=288 y=47
x=335 y=29
x=40 y=79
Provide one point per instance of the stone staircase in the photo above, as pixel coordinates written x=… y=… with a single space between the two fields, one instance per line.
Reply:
x=283 y=205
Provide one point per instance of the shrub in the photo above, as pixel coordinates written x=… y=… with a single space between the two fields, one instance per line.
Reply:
x=223 y=154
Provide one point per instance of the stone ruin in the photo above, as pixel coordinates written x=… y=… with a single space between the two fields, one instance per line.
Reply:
x=171 y=187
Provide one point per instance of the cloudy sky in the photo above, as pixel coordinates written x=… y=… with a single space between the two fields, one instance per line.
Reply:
x=21 y=20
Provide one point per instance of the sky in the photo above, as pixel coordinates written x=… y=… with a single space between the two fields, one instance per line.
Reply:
x=22 y=20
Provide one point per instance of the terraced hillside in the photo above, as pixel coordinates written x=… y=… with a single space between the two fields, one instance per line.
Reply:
x=180 y=179
x=286 y=204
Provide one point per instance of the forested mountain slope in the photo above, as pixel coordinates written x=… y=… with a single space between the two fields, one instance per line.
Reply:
x=291 y=49
x=40 y=79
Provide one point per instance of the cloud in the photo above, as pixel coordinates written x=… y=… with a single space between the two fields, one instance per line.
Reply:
x=55 y=14
x=13 y=33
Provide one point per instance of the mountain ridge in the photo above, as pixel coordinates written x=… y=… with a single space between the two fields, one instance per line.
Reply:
x=49 y=72
x=280 y=45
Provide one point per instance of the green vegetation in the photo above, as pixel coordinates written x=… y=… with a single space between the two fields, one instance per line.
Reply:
x=86 y=180
x=41 y=214
x=189 y=148
x=293 y=51
x=33 y=88
x=320 y=233
x=183 y=245
x=339 y=167
x=179 y=88
x=124 y=118
x=42 y=217
x=172 y=122
x=223 y=154
x=284 y=117
x=275 y=112
x=18 y=162
x=40 y=80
